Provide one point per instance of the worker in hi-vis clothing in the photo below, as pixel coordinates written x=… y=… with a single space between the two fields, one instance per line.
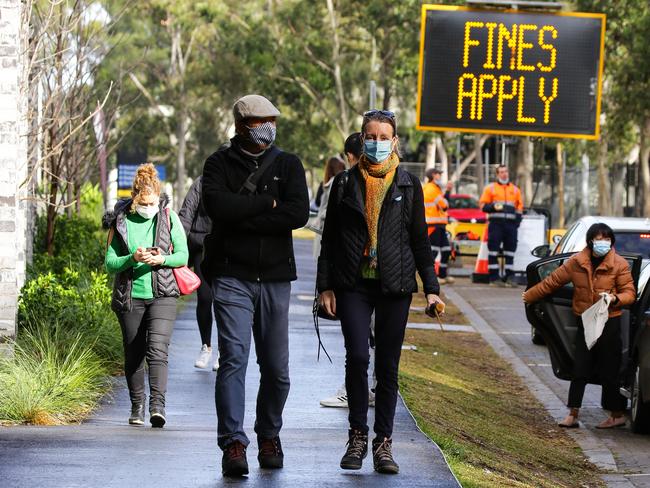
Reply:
x=435 y=208
x=503 y=203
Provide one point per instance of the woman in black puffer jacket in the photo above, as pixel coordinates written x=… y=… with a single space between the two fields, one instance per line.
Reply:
x=374 y=241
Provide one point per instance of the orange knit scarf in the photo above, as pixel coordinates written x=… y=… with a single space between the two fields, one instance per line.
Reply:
x=378 y=178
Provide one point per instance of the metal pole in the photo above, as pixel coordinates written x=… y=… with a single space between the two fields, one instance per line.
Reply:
x=486 y=161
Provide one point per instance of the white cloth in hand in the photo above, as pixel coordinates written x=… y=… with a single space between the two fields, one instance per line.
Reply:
x=594 y=319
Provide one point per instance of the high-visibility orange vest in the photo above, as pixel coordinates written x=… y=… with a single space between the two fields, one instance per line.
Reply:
x=508 y=195
x=435 y=205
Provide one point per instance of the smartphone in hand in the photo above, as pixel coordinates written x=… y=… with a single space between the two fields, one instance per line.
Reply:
x=153 y=250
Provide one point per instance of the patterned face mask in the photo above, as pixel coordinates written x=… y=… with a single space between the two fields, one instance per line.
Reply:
x=262 y=135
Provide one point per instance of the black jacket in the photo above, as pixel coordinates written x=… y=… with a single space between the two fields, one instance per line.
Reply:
x=194 y=218
x=403 y=245
x=164 y=283
x=250 y=239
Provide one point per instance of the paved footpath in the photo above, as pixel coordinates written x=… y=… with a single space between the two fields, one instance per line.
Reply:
x=106 y=452
x=502 y=311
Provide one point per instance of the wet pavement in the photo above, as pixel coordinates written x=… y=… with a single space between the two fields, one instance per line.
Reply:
x=106 y=452
x=503 y=311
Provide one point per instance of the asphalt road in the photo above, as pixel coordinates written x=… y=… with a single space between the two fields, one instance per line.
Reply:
x=106 y=452
x=504 y=312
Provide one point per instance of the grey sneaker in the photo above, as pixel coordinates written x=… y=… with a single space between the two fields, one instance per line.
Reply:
x=340 y=400
x=357 y=450
x=382 y=456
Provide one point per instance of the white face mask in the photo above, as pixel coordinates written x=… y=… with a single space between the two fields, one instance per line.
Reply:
x=147 y=211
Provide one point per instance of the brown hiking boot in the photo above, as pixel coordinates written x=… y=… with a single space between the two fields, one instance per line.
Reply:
x=382 y=456
x=357 y=450
x=270 y=454
x=234 y=461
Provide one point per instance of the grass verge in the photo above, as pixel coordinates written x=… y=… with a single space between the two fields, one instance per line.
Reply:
x=481 y=414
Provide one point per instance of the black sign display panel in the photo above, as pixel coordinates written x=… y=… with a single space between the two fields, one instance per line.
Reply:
x=510 y=72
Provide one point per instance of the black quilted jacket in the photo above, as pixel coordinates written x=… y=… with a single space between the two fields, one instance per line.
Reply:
x=403 y=245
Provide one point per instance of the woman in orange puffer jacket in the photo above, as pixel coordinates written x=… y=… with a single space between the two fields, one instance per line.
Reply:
x=596 y=269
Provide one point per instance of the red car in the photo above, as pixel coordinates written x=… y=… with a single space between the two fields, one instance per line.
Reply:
x=465 y=208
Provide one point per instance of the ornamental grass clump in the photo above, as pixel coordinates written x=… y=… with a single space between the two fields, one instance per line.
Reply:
x=53 y=378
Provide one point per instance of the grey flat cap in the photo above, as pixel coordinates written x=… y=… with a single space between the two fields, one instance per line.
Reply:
x=254 y=106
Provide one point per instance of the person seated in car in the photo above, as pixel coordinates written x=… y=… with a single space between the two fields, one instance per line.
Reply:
x=596 y=269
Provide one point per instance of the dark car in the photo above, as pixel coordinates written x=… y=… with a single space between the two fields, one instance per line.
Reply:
x=554 y=320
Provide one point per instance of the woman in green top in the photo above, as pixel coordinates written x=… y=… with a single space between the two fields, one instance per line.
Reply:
x=146 y=240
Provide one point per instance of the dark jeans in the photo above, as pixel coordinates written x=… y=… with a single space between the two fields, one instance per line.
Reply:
x=354 y=308
x=501 y=232
x=604 y=359
x=440 y=245
x=245 y=308
x=203 y=301
x=146 y=332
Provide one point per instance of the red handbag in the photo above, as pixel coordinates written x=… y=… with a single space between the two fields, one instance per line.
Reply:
x=186 y=279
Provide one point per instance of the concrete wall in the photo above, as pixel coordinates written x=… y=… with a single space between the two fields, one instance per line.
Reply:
x=13 y=166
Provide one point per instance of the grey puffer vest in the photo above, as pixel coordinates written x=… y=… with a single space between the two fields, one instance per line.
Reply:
x=163 y=281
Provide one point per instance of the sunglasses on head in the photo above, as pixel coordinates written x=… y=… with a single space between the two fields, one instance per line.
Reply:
x=385 y=113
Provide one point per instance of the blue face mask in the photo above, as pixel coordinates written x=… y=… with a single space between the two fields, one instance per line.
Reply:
x=378 y=151
x=601 y=248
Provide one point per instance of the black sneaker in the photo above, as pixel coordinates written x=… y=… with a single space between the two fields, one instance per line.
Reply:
x=270 y=454
x=234 y=461
x=382 y=457
x=357 y=450
x=157 y=417
x=137 y=414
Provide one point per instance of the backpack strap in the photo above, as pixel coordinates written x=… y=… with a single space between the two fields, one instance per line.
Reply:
x=250 y=185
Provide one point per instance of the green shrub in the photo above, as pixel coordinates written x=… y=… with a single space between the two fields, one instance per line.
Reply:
x=76 y=303
x=79 y=243
x=53 y=378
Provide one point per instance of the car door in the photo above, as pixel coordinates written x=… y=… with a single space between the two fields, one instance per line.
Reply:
x=553 y=317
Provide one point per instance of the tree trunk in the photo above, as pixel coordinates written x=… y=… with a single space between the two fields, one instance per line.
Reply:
x=644 y=166
x=180 y=161
x=524 y=169
x=584 y=190
x=443 y=157
x=478 y=163
x=467 y=161
x=604 y=189
x=560 y=183
x=431 y=154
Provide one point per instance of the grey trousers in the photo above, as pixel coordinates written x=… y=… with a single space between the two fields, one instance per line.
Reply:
x=245 y=308
x=146 y=333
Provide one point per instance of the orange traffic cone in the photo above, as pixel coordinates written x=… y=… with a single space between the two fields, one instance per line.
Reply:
x=481 y=272
x=436 y=264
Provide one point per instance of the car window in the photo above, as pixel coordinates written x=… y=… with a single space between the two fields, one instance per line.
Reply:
x=547 y=268
x=635 y=242
x=463 y=203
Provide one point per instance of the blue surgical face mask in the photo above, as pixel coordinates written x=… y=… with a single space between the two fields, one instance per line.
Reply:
x=601 y=248
x=438 y=182
x=262 y=135
x=378 y=151
x=504 y=181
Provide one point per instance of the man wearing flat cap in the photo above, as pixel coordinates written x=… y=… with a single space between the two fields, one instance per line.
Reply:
x=255 y=195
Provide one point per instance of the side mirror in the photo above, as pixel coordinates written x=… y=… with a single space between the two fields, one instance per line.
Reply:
x=541 y=251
